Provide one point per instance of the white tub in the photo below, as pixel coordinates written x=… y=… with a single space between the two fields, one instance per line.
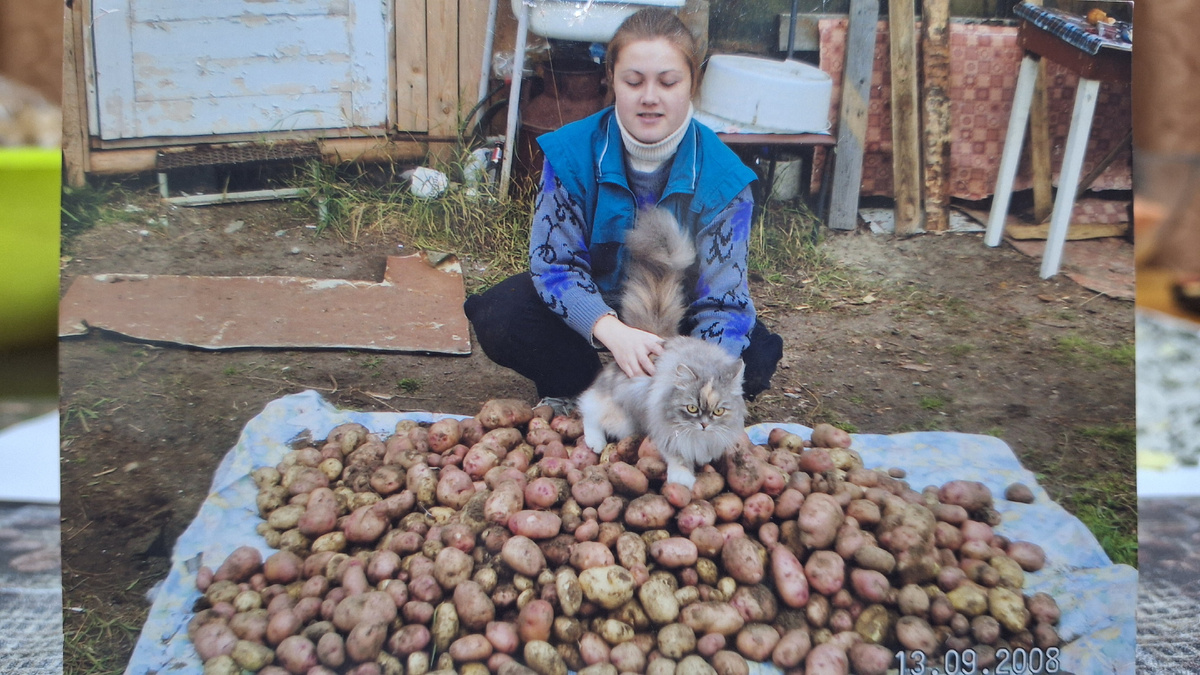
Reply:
x=757 y=94
x=583 y=20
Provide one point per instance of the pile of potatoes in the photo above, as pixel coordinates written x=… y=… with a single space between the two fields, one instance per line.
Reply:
x=503 y=544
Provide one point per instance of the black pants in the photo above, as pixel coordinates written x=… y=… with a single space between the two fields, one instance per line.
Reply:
x=516 y=330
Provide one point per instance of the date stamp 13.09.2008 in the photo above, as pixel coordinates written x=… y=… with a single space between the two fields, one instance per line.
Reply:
x=1017 y=661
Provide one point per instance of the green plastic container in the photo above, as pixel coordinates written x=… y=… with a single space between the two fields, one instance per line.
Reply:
x=30 y=194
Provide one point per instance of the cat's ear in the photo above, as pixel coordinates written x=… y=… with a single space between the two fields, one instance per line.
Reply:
x=739 y=372
x=685 y=373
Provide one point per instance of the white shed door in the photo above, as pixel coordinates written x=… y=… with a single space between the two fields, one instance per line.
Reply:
x=203 y=67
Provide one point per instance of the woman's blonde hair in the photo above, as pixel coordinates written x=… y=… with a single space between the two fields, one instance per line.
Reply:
x=653 y=23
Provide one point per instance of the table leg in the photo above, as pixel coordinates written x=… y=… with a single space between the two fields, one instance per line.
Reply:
x=1011 y=156
x=1068 y=176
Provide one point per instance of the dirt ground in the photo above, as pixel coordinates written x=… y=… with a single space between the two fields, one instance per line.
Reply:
x=948 y=335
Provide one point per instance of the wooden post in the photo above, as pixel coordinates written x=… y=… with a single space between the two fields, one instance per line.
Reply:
x=75 y=127
x=936 y=55
x=442 y=18
x=1039 y=145
x=906 y=121
x=412 y=84
x=852 y=118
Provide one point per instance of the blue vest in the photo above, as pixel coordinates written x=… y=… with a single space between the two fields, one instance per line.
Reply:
x=588 y=157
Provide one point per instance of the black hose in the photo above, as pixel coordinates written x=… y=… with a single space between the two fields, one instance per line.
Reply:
x=471 y=114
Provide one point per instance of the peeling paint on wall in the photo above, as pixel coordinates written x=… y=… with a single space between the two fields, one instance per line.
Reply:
x=165 y=68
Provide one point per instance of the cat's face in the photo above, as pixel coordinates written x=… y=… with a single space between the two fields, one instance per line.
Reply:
x=701 y=402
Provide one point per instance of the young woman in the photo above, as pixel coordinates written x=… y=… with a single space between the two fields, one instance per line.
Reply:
x=644 y=151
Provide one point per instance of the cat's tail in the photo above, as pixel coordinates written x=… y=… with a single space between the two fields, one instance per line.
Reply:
x=659 y=254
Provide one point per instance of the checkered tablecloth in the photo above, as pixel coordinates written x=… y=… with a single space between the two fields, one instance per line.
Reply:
x=984 y=62
x=1069 y=28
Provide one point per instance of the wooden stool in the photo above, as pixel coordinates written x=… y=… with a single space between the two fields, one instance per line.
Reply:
x=1106 y=65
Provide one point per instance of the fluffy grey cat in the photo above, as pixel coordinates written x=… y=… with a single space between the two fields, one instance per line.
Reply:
x=692 y=407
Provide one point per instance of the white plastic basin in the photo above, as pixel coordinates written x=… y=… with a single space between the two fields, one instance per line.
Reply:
x=763 y=95
x=583 y=20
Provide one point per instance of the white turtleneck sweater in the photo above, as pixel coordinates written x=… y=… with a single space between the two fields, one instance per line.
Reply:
x=648 y=157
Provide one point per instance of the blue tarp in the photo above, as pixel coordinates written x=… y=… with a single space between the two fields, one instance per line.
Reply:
x=1097 y=598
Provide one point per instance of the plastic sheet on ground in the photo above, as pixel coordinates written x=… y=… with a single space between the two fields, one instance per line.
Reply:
x=1097 y=598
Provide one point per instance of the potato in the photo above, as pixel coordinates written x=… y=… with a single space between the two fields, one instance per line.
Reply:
x=535 y=621
x=610 y=586
x=444 y=626
x=825 y=571
x=712 y=617
x=606 y=669
x=523 y=555
x=874 y=558
x=756 y=641
x=535 y=524
x=756 y=604
x=869 y=585
x=628 y=658
x=819 y=519
x=504 y=413
x=296 y=654
x=791 y=649
x=473 y=647
x=695 y=665
x=828 y=436
x=366 y=524
x=452 y=567
x=243 y=563
x=1029 y=556
x=372 y=607
x=790 y=580
x=1009 y=608
x=410 y=638
x=870 y=659
x=251 y=655
x=589 y=554
x=742 y=559
x=544 y=659
x=826 y=659
x=676 y=641
x=674 y=552
x=214 y=639
x=365 y=641
x=972 y=496
x=649 y=512
x=914 y=633
x=475 y=609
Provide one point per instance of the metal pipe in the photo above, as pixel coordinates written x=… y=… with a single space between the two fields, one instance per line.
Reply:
x=792 y=28
x=488 y=41
x=514 y=100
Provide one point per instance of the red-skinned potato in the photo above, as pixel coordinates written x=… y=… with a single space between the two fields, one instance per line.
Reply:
x=742 y=559
x=243 y=563
x=790 y=580
x=826 y=659
x=504 y=413
x=829 y=436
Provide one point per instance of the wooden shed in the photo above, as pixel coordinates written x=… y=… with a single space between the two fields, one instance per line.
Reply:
x=364 y=79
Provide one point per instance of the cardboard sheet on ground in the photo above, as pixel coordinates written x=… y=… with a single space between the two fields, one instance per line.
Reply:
x=417 y=307
x=1097 y=598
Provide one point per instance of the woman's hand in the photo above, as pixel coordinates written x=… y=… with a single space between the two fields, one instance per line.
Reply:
x=631 y=347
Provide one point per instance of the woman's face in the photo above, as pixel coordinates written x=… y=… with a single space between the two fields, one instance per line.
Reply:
x=652 y=86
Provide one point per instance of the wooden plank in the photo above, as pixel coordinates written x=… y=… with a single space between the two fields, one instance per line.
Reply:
x=936 y=95
x=341 y=150
x=111 y=26
x=1039 y=145
x=442 y=28
x=417 y=307
x=906 y=121
x=472 y=33
x=852 y=117
x=123 y=161
x=75 y=135
x=412 y=87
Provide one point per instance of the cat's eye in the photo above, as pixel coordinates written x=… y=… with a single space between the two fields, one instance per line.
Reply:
x=718 y=412
x=692 y=409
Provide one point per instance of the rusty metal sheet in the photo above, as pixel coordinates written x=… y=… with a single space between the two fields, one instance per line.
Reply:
x=416 y=308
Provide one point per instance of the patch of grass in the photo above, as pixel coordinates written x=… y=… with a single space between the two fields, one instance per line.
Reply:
x=230 y=371
x=845 y=426
x=933 y=402
x=373 y=365
x=409 y=385
x=856 y=399
x=785 y=251
x=85 y=207
x=1095 y=481
x=97 y=645
x=1093 y=355
x=960 y=350
x=83 y=413
x=997 y=432
x=491 y=237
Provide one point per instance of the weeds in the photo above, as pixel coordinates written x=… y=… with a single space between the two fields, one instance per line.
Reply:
x=489 y=234
x=1091 y=355
x=409 y=385
x=933 y=402
x=85 y=207
x=96 y=645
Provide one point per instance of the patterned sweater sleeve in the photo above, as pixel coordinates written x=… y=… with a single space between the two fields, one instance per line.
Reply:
x=559 y=261
x=723 y=310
